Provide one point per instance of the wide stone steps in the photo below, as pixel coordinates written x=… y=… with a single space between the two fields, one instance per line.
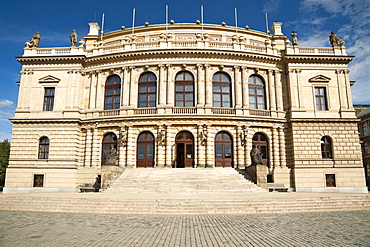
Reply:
x=159 y=180
x=94 y=203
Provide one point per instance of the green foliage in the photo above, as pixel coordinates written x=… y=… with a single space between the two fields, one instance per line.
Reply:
x=4 y=160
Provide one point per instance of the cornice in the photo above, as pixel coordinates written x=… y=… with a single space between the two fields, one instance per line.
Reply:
x=317 y=59
x=81 y=59
x=183 y=53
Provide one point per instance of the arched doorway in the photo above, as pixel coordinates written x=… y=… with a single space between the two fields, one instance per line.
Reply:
x=109 y=150
x=184 y=149
x=260 y=140
x=145 y=150
x=223 y=150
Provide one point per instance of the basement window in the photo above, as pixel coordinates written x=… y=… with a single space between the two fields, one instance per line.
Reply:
x=38 y=180
x=330 y=180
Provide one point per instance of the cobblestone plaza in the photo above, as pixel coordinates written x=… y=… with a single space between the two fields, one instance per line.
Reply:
x=311 y=229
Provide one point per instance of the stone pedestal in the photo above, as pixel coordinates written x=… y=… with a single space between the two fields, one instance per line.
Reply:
x=282 y=176
x=258 y=174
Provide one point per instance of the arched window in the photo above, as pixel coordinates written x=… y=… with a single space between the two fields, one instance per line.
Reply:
x=145 y=150
x=112 y=93
x=257 y=98
x=109 y=150
x=221 y=90
x=147 y=90
x=184 y=91
x=326 y=147
x=44 y=144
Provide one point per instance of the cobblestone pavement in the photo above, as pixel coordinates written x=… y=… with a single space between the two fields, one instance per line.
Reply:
x=311 y=229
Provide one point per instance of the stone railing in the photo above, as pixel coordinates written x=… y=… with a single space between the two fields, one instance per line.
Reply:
x=108 y=113
x=296 y=50
x=263 y=113
x=54 y=51
x=145 y=111
x=184 y=110
x=221 y=110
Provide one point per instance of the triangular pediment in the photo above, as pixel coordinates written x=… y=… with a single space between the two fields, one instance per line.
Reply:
x=319 y=78
x=49 y=79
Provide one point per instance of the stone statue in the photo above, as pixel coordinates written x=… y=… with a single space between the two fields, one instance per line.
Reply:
x=294 y=38
x=34 y=42
x=111 y=156
x=334 y=41
x=256 y=156
x=73 y=38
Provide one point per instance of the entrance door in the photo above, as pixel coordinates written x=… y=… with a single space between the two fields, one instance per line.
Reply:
x=145 y=150
x=260 y=140
x=184 y=150
x=223 y=150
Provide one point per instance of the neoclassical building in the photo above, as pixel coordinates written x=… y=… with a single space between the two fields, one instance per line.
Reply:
x=184 y=96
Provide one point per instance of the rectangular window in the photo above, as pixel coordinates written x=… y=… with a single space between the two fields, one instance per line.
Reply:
x=364 y=129
x=49 y=98
x=38 y=180
x=320 y=97
x=330 y=180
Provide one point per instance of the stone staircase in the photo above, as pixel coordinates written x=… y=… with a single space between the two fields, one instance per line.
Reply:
x=182 y=180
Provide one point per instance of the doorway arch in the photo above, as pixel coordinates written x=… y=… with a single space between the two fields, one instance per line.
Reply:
x=145 y=150
x=184 y=150
x=260 y=140
x=223 y=150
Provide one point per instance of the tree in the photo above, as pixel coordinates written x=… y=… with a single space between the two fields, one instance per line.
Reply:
x=4 y=161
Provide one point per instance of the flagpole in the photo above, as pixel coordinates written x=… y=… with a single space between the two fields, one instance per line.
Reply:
x=236 y=22
x=267 y=25
x=102 y=28
x=166 y=20
x=201 y=17
x=133 y=21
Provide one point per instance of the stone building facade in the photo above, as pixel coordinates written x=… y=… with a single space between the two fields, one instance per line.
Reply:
x=364 y=130
x=184 y=95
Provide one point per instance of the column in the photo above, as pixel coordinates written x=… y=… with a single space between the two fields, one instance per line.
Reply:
x=278 y=90
x=245 y=92
x=93 y=85
x=292 y=89
x=125 y=87
x=77 y=87
x=300 y=90
x=239 y=148
x=170 y=86
x=238 y=87
x=162 y=86
x=132 y=87
x=282 y=147
x=96 y=148
x=271 y=91
x=122 y=146
x=348 y=89
x=200 y=86
x=208 y=86
x=69 y=92
x=28 y=94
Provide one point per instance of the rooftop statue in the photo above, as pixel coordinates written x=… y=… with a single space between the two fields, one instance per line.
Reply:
x=334 y=40
x=294 y=38
x=34 y=42
x=73 y=38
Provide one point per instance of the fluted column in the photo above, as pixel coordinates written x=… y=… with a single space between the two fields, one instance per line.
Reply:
x=125 y=87
x=201 y=87
x=208 y=85
x=271 y=91
x=132 y=87
x=278 y=90
x=238 y=87
x=162 y=86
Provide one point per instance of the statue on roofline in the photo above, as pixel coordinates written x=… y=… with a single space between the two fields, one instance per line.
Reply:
x=73 y=38
x=34 y=42
x=294 y=38
x=335 y=41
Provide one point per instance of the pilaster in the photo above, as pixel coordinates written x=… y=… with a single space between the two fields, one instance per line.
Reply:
x=201 y=87
x=271 y=92
x=238 y=87
x=208 y=87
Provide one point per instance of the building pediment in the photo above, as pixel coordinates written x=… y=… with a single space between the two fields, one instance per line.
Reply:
x=320 y=78
x=49 y=79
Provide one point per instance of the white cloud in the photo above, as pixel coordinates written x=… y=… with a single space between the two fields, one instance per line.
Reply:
x=271 y=6
x=5 y=102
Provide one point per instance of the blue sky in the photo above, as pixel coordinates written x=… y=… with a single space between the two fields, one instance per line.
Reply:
x=313 y=20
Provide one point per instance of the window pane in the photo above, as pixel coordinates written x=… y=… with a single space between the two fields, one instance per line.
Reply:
x=226 y=97
x=227 y=151
x=179 y=96
x=252 y=105
x=180 y=76
x=109 y=91
x=152 y=77
x=217 y=104
x=188 y=76
x=227 y=137
x=142 y=97
x=141 y=149
x=216 y=88
x=261 y=100
x=225 y=89
x=180 y=103
x=219 y=137
x=189 y=88
x=260 y=91
x=224 y=77
x=149 y=137
x=142 y=89
x=150 y=151
x=216 y=97
x=218 y=151
x=179 y=88
x=151 y=104
x=151 y=89
x=151 y=97
x=189 y=103
x=252 y=90
x=226 y=104
x=142 y=104
x=189 y=96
